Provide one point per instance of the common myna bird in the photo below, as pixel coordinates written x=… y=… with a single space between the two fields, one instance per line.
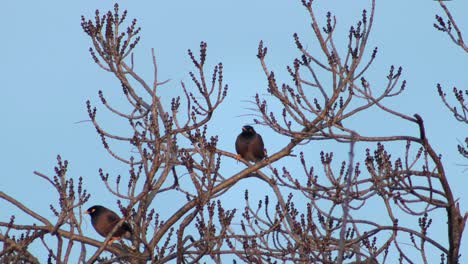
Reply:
x=249 y=145
x=104 y=221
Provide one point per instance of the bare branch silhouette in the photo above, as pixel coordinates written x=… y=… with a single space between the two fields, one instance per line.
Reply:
x=316 y=208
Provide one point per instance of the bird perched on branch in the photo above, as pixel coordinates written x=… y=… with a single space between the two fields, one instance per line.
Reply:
x=104 y=220
x=249 y=145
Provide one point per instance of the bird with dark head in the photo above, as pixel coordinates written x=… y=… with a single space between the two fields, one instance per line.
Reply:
x=249 y=145
x=104 y=220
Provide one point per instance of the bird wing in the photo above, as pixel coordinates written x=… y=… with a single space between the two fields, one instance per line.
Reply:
x=125 y=229
x=112 y=218
x=258 y=147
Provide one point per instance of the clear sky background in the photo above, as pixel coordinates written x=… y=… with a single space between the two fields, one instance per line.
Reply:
x=47 y=74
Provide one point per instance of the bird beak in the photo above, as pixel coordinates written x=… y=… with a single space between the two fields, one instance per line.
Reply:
x=86 y=212
x=244 y=129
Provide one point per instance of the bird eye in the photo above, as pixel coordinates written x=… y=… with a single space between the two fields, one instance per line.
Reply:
x=92 y=210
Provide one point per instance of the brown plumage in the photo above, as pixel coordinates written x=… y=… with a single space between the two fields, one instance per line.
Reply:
x=104 y=221
x=249 y=145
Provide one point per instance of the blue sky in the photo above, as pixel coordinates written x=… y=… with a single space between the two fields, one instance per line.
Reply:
x=47 y=75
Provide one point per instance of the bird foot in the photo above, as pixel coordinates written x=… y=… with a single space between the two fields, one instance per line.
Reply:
x=111 y=241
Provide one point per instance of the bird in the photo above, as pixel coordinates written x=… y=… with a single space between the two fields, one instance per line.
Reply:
x=249 y=145
x=104 y=220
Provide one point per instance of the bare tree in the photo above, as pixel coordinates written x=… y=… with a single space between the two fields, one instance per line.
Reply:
x=315 y=212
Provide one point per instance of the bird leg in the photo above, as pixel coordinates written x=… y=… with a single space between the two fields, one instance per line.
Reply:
x=238 y=157
x=111 y=241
